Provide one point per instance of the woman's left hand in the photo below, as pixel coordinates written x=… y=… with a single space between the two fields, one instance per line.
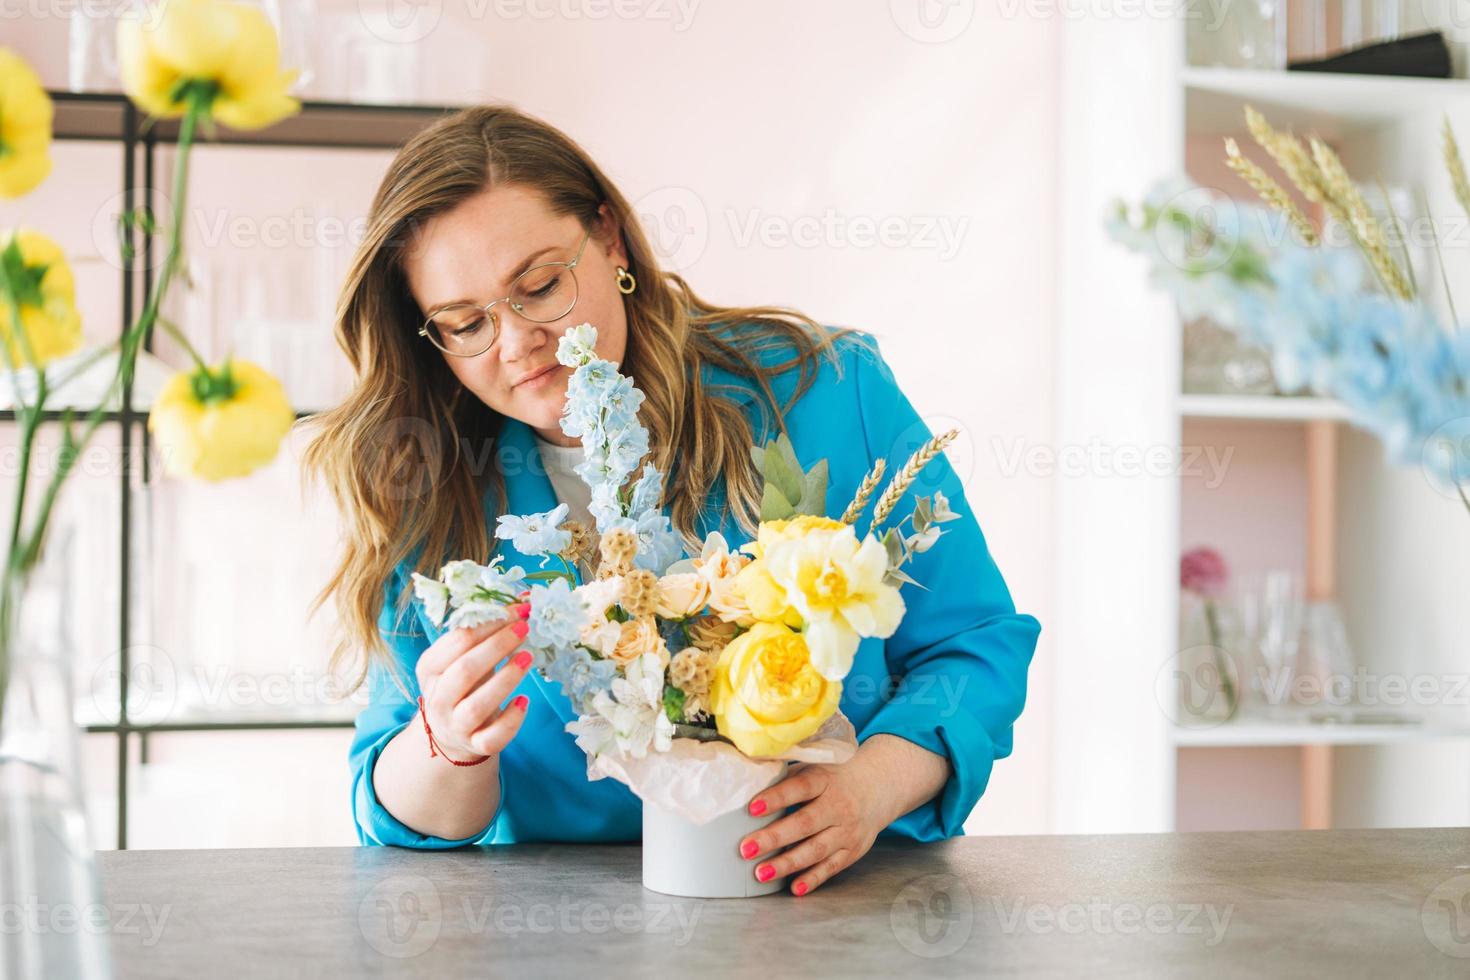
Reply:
x=836 y=826
x=845 y=806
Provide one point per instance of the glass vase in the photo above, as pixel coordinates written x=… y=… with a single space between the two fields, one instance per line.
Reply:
x=56 y=925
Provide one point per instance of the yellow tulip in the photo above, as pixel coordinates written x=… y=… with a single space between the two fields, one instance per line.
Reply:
x=766 y=696
x=228 y=50
x=37 y=272
x=25 y=127
x=223 y=426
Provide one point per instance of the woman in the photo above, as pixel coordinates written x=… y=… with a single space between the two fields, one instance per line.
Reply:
x=491 y=234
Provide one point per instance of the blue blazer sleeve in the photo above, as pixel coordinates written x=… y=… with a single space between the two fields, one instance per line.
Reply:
x=389 y=709
x=961 y=654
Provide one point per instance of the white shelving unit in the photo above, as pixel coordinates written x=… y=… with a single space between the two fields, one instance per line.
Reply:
x=1383 y=127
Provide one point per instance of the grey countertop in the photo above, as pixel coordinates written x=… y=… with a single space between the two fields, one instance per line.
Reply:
x=1295 y=904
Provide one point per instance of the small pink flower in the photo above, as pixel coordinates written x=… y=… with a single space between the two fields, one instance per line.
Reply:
x=1203 y=571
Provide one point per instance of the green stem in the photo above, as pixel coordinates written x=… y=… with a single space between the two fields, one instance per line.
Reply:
x=1227 y=685
x=199 y=99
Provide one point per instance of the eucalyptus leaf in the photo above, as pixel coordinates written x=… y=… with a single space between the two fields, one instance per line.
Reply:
x=814 y=496
x=774 y=505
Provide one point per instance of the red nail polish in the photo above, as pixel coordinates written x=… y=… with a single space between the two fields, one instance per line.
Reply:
x=519 y=609
x=757 y=807
x=522 y=659
x=799 y=888
x=749 y=849
x=521 y=702
x=520 y=629
x=524 y=595
x=765 y=872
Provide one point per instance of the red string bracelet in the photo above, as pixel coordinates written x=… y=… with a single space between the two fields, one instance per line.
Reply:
x=434 y=746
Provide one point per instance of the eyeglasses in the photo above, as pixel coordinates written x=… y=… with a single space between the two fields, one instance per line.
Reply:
x=542 y=294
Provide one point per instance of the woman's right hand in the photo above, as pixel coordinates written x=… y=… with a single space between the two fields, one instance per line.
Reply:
x=463 y=691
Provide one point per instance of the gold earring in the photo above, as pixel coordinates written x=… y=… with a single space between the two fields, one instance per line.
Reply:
x=626 y=282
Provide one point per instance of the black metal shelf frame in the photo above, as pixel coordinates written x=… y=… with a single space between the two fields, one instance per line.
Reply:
x=112 y=117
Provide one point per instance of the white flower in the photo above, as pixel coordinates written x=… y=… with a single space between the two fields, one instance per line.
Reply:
x=594 y=732
x=600 y=594
x=602 y=637
x=578 y=345
x=434 y=595
x=463 y=578
x=636 y=707
x=477 y=611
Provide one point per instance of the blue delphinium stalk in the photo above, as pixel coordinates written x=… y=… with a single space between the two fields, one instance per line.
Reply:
x=602 y=410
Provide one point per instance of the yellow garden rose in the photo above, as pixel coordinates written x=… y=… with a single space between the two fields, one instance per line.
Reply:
x=38 y=273
x=25 y=127
x=836 y=586
x=766 y=696
x=226 y=426
x=229 y=47
x=770 y=532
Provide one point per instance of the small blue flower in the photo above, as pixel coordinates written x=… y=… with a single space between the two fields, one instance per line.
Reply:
x=557 y=616
x=536 y=534
x=581 y=675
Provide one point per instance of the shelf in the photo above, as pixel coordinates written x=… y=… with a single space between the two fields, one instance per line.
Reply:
x=1262 y=408
x=201 y=718
x=102 y=115
x=1263 y=734
x=1330 y=104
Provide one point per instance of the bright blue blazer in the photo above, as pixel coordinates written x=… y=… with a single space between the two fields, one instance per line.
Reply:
x=952 y=679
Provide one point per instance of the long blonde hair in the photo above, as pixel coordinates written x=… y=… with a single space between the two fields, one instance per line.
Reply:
x=409 y=455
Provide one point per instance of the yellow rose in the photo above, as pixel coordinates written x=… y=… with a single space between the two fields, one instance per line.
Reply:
x=230 y=49
x=681 y=595
x=766 y=696
x=37 y=272
x=25 y=127
x=226 y=426
x=765 y=598
x=639 y=636
x=771 y=532
x=836 y=586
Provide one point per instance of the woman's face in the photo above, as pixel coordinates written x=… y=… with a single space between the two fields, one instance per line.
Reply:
x=471 y=254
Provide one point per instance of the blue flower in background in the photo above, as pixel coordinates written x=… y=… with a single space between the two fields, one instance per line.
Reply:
x=557 y=616
x=580 y=674
x=536 y=534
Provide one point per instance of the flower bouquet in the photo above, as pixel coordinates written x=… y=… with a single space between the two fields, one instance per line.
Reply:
x=696 y=679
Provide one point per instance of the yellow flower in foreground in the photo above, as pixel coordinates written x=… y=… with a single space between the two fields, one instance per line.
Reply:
x=39 y=275
x=25 y=127
x=762 y=595
x=766 y=696
x=226 y=425
x=229 y=48
x=835 y=583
